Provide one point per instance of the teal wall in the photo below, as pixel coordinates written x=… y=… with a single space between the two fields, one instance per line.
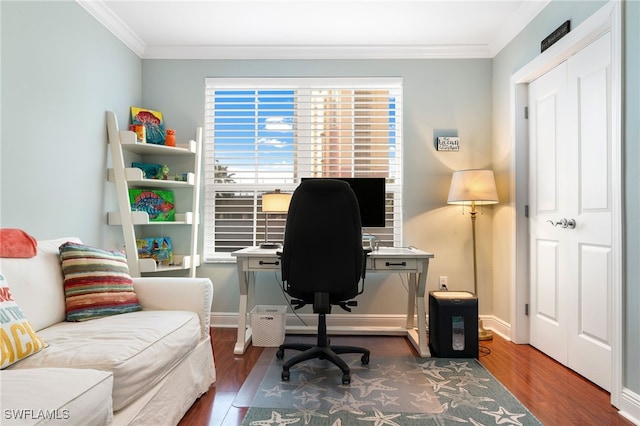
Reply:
x=61 y=70
x=438 y=94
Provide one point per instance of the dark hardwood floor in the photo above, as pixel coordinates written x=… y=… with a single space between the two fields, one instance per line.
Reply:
x=553 y=393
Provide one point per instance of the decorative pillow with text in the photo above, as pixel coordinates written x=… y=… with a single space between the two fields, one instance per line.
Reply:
x=96 y=282
x=18 y=340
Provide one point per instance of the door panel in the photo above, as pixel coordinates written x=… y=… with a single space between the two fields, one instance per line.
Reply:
x=594 y=270
x=594 y=173
x=548 y=327
x=546 y=127
x=547 y=300
x=570 y=178
x=589 y=338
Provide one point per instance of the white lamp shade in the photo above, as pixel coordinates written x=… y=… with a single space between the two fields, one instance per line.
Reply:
x=275 y=202
x=473 y=186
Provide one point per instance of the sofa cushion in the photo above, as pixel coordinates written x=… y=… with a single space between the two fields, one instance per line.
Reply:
x=96 y=282
x=18 y=340
x=139 y=348
x=39 y=275
x=17 y=243
x=56 y=396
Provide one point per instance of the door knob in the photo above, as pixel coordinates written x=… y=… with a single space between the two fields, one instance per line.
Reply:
x=564 y=223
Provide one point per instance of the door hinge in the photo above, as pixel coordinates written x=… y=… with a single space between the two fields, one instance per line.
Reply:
x=526 y=309
x=526 y=211
x=526 y=113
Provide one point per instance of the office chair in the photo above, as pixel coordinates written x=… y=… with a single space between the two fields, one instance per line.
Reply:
x=322 y=263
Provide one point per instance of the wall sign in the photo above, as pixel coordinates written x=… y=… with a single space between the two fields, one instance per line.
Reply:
x=559 y=32
x=448 y=143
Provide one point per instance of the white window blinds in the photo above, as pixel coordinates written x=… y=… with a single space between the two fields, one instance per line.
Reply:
x=267 y=134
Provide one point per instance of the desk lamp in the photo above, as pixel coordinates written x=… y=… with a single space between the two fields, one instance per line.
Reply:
x=471 y=188
x=273 y=202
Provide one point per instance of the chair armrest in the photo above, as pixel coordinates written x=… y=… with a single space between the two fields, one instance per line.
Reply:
x=177 y=294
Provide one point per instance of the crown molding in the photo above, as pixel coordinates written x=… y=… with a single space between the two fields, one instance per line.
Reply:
x=315 y=52
x=114 y=24
x=524 y=16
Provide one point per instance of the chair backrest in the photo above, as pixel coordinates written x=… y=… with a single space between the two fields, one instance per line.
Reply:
x=322 y=251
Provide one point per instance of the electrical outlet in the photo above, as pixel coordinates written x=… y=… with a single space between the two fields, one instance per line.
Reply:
x=443 y=282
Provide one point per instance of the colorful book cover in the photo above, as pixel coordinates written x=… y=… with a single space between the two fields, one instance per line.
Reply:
x=159 y=204
x=153 y=123
x=157 y=248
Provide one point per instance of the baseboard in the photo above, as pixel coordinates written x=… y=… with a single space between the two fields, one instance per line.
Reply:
x=497 y=326
x=630 y=406
x=369 y=323
x=377 y=321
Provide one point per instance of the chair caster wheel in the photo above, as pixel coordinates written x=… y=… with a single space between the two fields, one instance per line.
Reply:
x=285 y=376
x=280 y=354
x=365 y=359
x=346 y=379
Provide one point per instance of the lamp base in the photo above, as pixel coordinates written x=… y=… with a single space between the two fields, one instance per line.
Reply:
x=483 y=333
x=267 y=245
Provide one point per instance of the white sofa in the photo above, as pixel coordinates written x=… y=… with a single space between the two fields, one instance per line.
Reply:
x=139 y=368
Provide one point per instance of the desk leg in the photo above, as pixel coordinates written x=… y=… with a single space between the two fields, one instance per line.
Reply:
x=419 y=339
x=411 y=303
x=246 y=280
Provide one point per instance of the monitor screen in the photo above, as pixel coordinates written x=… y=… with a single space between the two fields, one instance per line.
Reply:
x=371 y=195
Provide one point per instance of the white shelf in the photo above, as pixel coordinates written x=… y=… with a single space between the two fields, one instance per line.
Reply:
x=124 y=150
x=129 y=144
x=133 y=176
x=142 y=218
x=181 y=262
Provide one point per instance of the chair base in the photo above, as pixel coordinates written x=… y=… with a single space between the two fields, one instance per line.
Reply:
x=322 y=350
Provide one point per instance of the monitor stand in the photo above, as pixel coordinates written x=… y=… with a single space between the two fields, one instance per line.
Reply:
x=266 y=245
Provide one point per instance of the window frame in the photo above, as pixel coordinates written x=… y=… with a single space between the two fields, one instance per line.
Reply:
x=395 y=160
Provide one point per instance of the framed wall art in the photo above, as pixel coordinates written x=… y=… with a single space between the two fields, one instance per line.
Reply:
x=448 y=143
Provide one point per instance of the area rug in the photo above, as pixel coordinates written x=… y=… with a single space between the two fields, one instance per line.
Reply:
x=389 y=391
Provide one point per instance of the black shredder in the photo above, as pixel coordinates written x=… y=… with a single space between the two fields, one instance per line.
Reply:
x=453 y=324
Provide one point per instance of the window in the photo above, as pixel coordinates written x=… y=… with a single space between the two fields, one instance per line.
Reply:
x=268 y=134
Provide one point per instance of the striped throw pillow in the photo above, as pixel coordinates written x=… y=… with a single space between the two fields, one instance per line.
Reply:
x=96 y=282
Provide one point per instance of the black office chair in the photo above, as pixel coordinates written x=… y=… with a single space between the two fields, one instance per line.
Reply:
x=322 y=263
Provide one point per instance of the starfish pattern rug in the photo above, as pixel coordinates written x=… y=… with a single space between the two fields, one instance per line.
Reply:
x=387 y=392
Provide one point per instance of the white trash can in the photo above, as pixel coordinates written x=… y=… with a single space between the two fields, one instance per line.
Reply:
x=268 y=325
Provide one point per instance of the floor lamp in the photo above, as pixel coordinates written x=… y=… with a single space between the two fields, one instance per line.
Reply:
x=273 y=202
x=472 y=188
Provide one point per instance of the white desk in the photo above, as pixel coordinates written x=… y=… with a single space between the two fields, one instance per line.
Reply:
x=412 y=261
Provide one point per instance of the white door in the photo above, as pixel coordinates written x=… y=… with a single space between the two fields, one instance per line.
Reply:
x=570 y=212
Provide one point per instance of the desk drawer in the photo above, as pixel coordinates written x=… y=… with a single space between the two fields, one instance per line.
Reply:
x=391 y=264
x=264 y=263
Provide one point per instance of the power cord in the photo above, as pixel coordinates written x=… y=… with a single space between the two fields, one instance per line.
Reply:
x=284 y=295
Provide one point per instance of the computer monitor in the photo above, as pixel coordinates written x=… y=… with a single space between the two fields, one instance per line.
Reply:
x=371 y=195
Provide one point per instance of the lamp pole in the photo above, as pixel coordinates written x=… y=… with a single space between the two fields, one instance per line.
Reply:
x=475 y=261
x=266 y=229
x=483 y=334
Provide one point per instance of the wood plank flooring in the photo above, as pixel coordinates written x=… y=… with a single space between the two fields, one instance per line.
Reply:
x=553 y=393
